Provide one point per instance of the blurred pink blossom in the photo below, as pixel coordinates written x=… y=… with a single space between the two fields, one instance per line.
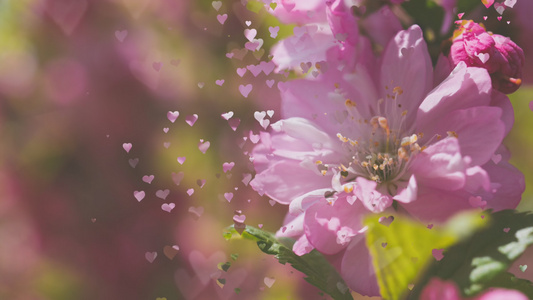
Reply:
x=447 y=290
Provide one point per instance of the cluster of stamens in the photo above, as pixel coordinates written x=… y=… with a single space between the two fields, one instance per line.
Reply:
x=383 y=151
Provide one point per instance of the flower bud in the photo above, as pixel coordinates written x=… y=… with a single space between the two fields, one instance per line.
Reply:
x=502 y=58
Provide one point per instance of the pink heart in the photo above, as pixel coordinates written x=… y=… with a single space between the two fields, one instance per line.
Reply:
x=200 y=182
x=127 y=147
x=203 y=146
x=246 y=178
x=437 y=253
x=168 y=207
x=177 y=177
x=148 y=179
x=496 y=158
x=506 y=229
x=217 y=5
x=166 y=144
x=139 y=195
x=270 y=82
x=227 y=166
x=386 y=220
x=299 y=31
x=239 y=219
x=228 y=196
x=165 y=130
x=383 y=245
x=189 y=286
x=162 y=194
x=460 y=16
x=204 y=267
x=250 y=34
x=150 y=256
x=219 y=82
x=190 y=192
x=510 y=3
x=245 y=89
x=241 y=71
x=181 y=159
x=254 y=138
x=272 y=202
x=487 y=3
x=531 y=105
x=234 y=123
x=273 y=31
x=229 y=55
x=483 y=57
x=173 y=115
x=267 y=67
x=157 y=66
x=233 y=280
x=499 y=7
x=477 y=202
x=254 y=45
x=222 y=18
x=66 y=14
x=269 y=281
x=121 y=35
x=191 y=119
x=133 y=162
x=255 y=70
x=227 y=116
x=196 y=211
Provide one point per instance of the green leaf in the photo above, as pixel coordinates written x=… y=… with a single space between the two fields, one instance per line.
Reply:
x=401 y=250
x=318 y=270
x=481 y=261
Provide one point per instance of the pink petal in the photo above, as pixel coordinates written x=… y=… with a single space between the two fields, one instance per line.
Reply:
x=440 y=166
x=286 y=180
x=507 y=186
x=409 y=192
x=480 y=131
x=502 y=101
x=291 y=52
x=464 y=88
x=302 y=246
x=382 y=25
x=437 y=205
x=406 y=63
x=293 y=226
x=324 y=222
x=357 y=268
x=373 y=200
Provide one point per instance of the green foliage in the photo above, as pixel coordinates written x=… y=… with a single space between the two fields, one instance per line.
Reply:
x=401 y=250
x=318 y=270
x=481 y=261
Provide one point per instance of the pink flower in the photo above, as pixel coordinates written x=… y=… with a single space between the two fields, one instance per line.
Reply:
x=330 y=28
x=351 y=143
x=437 y=289
x=502 y=58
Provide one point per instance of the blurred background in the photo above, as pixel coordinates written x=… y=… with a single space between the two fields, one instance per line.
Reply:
x=82 y=216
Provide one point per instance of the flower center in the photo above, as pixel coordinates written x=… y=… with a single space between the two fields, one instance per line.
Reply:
x=380 y=148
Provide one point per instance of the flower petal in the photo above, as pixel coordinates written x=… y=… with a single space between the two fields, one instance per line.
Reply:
x=330 y=227
x=464 y=88
x=479 y=130
x=357 y=269
x=406 y=64
x=286 y=180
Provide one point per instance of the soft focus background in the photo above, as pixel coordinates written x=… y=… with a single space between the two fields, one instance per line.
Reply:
x=78 y=79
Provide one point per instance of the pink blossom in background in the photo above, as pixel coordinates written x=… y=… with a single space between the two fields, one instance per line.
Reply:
x=502 y=58
x=447 y=290
x=351 y=143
